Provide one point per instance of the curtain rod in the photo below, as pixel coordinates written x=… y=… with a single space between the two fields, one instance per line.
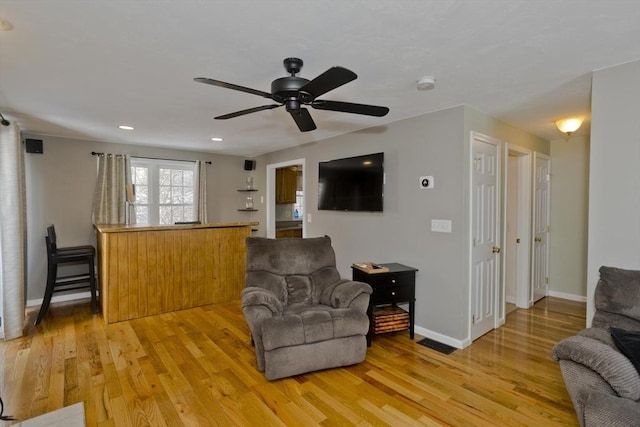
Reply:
x=94 y=153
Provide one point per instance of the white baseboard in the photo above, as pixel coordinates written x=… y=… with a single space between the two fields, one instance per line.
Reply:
x=570 y=297
x=59 y=298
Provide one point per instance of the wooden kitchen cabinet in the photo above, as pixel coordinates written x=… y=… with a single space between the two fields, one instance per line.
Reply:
x=286 y=185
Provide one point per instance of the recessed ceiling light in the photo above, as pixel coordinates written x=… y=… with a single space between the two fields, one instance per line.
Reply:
x=216 y=139
x=126 y=127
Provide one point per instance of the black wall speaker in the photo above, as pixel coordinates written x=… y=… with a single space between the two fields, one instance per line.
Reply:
x=249 y=165
x=34 y=146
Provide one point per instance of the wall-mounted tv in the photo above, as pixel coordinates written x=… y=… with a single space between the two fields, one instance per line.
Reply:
x=352 y=184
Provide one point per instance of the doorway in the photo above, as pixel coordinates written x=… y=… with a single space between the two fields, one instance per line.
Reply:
x=286 y=211
x=517 y=228
x=501 y=233
x=541 y=228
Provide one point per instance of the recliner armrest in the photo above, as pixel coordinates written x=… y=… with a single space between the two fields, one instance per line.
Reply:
x=344 y=293
x=254 y=296
x=610 y=364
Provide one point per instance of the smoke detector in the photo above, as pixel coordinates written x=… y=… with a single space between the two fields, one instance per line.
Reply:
x=426 y=83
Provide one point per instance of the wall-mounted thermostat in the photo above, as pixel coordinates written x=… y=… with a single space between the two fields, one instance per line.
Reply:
x=426 y=182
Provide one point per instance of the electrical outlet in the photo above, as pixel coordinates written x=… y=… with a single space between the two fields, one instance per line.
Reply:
x=426 y=182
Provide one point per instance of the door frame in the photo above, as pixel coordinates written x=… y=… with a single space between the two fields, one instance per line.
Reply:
x=271 y=194
x=524 y=215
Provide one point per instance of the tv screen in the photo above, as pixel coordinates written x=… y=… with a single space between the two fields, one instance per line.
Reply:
x=352 y=184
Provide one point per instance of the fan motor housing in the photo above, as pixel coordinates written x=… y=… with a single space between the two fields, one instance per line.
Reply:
x=287 y=87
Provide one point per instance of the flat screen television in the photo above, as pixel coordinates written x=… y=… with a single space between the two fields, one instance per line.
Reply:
x=352 y=184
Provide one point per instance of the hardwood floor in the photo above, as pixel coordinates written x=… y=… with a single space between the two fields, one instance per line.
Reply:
x=196 y=367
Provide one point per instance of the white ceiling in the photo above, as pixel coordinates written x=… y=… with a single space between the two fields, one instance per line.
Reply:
x=80 y=69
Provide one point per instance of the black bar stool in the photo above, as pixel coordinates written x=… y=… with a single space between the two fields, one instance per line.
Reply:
x=68 y=255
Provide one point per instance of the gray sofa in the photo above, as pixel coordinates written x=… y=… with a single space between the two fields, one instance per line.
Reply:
x=602 y=381
x=302 y=316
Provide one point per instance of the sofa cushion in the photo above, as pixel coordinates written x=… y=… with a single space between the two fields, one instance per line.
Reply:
x=289 y=256
x=298 y=289
x=304 y=324
x=629 y=344
x=269 y=281
x=618 y=291
x=322 y=279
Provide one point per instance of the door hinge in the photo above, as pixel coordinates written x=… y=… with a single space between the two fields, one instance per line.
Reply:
x=473 y=319
x=474 y=242
x=546 y=280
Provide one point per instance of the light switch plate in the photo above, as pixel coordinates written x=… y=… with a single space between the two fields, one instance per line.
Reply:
x=441 y=225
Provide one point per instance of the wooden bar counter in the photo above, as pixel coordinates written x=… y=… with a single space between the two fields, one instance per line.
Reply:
x=146 y=270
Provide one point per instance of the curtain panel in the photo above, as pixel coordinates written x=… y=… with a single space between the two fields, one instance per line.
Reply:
x=201 y=173
x=12 y=232
x=110 y=195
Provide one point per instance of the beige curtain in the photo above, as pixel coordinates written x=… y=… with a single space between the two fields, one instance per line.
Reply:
x=12 y=232
x=110 y=195
x=201 y=173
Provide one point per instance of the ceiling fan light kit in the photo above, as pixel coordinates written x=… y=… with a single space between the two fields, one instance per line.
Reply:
x=295 y=92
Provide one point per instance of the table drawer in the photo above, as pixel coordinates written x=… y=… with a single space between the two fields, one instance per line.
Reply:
x=391 y=293
x=392 y=280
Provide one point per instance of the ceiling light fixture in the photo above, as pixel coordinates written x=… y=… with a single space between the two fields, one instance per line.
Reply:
x=569 y=125
x=216 y=139
x=126 y=127
x=426 y=83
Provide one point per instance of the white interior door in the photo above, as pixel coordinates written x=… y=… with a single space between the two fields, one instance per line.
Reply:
x=541 y=228
x=516 y=253
x=485 y=233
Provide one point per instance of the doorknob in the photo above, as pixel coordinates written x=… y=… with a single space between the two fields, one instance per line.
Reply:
x=495 y=250
x=538 y=239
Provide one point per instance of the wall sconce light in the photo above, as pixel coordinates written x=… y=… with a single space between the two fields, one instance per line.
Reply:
x=569 y=125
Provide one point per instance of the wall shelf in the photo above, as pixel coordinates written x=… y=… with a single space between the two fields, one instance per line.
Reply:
x=251 y=189
x=248 y=210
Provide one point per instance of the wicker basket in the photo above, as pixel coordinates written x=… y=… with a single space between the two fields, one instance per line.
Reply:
x=389 y=319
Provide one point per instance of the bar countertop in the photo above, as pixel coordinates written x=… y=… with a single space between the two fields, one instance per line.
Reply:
x=118 y=228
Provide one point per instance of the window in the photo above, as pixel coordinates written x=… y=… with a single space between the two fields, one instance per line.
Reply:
x=165 y=191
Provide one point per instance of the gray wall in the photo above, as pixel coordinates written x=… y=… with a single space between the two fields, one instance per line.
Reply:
x=434 y=144
x=569 y=216
x=60 y=185
x=614 y=178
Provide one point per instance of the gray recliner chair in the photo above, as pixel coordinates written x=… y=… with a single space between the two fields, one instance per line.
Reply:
x=303 y=317
x=602 y=381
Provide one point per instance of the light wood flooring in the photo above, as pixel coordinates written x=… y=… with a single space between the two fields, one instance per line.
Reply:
x=196 y=367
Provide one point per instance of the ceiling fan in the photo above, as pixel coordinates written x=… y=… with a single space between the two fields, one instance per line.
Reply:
x=295 y=92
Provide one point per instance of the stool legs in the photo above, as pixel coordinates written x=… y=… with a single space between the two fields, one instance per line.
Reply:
x=52 y=271
x=52 y=277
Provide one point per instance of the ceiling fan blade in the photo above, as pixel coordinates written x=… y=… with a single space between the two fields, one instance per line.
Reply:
x=348 y=107
x=303 y=119
x=232 y=86
x=332 y=78
x=247 y=111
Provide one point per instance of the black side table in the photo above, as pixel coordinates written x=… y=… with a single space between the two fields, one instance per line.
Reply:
x=398 y=285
